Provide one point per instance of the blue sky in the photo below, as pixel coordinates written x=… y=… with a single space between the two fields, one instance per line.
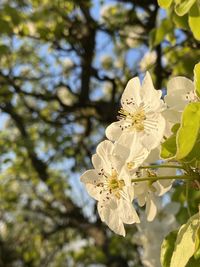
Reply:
x=104 y=47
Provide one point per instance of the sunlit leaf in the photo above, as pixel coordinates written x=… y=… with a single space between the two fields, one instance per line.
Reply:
x=197 y=78
x=158 y=34
x=185 y=243
x=188 y=132
x=164 y=3
x=194 y=20
x=184 y=6
x=167 y=248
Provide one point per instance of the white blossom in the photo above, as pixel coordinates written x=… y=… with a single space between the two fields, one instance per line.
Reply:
x=140 y=114
x=150 y=235
x=180 y=92
x=148 y=60
x=110 y=182
x=68 y=63
x=146 y=192
x=133 y=35
x=65 y=96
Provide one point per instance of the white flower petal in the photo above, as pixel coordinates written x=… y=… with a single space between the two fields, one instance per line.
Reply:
x=121 y=151
x=111 y=218
x=113 y=131
x=153 y=137
x=172 y=115
x=153 y=156
x=130 y=192
x=117 y=163
x=140 y=192
x=166 y=186
x=131 y=93
x=150 y=96
x=91 y=178
x=137 y=152
x=127 y=212
x=126 y=140
x=147 y=85
x=151 y=208
x=160 y=189
x=176 y=100
x=180 y=91
x=140 y=188
x=179 y=83
x=104 y=150
x=93 y=191
x=141 y=200
x=97 y=162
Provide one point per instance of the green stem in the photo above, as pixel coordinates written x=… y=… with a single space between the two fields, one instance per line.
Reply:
x=179 y=177
x=187 y=199
x=161 y=166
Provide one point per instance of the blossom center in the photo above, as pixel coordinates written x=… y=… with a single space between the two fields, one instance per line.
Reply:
x=135 y=119
x=115 y=185
x=191 y=96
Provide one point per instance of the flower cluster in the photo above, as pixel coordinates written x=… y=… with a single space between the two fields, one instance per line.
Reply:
x=164 y=223
x=119 y=176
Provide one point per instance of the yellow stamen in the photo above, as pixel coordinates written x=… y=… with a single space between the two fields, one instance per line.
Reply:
x=115 y=184
x=137 y=118
x=130 y=165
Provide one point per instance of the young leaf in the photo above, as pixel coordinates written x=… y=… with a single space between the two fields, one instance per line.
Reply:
x=194 y=155
x=167 y=248
x=194 y=20
x=164 y=3
x=183 y=7
x=197 y=240
x=158 y=34
x=181 y=22
x=188 y=132
x=193 y=262
x=197 y=78
x=185 y=242
x=168 y=148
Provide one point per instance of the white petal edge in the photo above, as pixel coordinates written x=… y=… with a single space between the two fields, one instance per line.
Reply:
x=132 y=91
x=151 y=208
x=127 y=212
x=113 y=131
x=179 y=83
x=112 y=219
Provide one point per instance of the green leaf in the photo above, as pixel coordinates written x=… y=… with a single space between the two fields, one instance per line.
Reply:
x=181 y=22
x=5 y=27
x=197 y=241
x=167 y=248
x=194 y=20
x=194 y=154
x=197 y=78
x=158 y=34
x=188 y=132
x=168 y=148
x=185 y=243
x=164 y=3
x=193 y=262
x=183 y=7
x=197 y=254
x=175 y=128
x=4 y=49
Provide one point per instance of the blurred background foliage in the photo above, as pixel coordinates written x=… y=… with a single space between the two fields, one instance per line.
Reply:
x=63 y=66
